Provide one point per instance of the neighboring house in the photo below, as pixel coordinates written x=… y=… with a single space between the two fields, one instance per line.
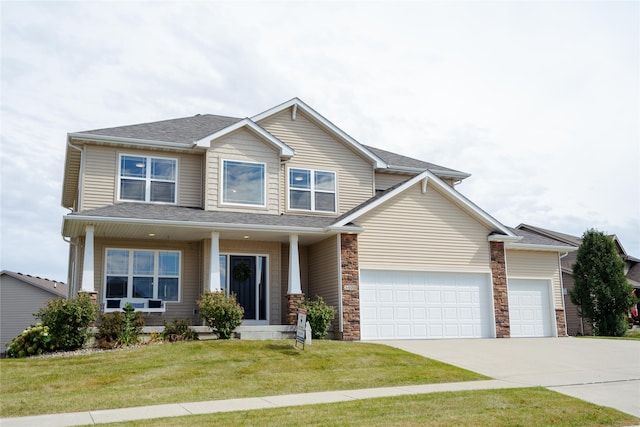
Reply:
x=283 y=206
x=22 y=295
x=575 y=324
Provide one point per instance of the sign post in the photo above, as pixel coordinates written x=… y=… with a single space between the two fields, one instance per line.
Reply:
x=301 y=329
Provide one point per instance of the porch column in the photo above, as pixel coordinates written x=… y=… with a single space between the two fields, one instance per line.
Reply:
x=500 y=292
x=87 y=268
x=214 y=269
x=294 y=266
x=294 y=291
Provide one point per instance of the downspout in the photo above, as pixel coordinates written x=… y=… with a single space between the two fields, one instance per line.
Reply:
x=80 y=172
x=73 y=281
x=72 y=276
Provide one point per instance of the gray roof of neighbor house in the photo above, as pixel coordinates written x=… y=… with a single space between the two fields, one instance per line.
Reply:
x=55 y=287
x=184 y=130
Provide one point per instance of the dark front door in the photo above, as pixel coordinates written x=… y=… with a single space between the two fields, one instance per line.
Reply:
x=243 y=283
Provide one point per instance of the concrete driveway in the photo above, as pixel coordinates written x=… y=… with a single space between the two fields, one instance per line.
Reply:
x=601 y=371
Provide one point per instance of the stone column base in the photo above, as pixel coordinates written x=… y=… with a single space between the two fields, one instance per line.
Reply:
x=560 y=323
x=293 y=300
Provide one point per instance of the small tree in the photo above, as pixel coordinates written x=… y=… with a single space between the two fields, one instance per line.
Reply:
x=120 y=328
x=221 y=313
x=319 y=316
x=601 y=290
x=68 y=321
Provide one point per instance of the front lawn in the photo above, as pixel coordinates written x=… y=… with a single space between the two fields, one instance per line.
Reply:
x=208 y=370
x=510 y=407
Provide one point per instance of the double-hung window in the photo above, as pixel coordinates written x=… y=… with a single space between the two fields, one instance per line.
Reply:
x=243 y=183
x=147 y=179
x=312 y=190
x=142 y=274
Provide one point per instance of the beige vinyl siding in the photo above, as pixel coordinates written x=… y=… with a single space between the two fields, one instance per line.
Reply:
x=100 y=181
x=418 y=231
x=387 y=180
x=324 y=274
x=536 y=265
x=190 y=276
x=242 y=247
x=316 y=149
x=243 y=146
x=18 y=302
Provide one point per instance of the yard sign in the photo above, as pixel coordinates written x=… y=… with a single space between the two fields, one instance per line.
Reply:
x=302 y=322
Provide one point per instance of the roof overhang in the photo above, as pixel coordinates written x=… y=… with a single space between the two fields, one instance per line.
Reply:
x=326 y=124
x=285 y=150
x=154 y=229
x=534 y=247
x=78 y=136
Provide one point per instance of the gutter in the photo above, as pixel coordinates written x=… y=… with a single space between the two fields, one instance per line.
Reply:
x=534 y=247
x=136 y=141
x=213 y=225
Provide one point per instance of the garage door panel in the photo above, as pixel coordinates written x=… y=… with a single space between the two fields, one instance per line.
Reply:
x=424 y=305
x=529 y=308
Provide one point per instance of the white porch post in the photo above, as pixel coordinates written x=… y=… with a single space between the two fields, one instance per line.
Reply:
x=214 y=269
x=87 y=268
x=294 y=266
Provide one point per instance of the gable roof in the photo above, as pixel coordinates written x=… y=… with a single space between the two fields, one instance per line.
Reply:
x=296 y=103
x=427 y=176
x=56 y=288
x=535 y=241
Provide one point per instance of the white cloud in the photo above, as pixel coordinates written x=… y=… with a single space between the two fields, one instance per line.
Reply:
x=539 y=101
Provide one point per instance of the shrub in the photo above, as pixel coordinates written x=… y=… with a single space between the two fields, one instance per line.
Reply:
x=178 y=330
x=68 y=321
x=32 y=341
x=221 y=313
x=319 y=316
x=119 y=328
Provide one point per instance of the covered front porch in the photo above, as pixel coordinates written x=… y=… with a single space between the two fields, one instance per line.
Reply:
x=165 y=267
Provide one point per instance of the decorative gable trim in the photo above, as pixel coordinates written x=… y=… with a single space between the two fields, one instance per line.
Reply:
x=285 y=150
x=466 y=204
x=296 y=103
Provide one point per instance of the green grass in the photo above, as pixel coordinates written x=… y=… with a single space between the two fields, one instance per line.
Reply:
x=631 y=334
x=510 y=407
x=207 y=370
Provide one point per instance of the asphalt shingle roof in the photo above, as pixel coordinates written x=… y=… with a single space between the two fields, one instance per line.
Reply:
x=185 y=130
x=394 y=159
x=530 y=238
x=150 y=211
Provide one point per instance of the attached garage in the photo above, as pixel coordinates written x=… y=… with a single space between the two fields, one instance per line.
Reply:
x=530 y=308
x=422 y=305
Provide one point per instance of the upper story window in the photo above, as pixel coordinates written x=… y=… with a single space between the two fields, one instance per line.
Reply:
x=142 y=274
x=147 y=179
x=312 y=190
x=243 y=183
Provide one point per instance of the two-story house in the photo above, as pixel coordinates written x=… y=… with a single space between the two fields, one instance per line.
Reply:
x=285 y=205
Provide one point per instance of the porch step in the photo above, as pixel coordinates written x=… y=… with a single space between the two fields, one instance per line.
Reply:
x=266 y=332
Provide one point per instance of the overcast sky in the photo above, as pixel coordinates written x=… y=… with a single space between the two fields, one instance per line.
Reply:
x=539 y=101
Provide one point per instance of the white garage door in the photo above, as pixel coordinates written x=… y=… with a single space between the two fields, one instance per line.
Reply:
x=529 y=308
x=418 y=305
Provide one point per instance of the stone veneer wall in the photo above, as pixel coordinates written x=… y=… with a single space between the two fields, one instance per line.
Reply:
x=500 y=293
x=350 y=287
x=560 y=323
x=293 y=300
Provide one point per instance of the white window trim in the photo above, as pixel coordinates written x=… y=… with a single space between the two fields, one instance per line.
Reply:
x=246 y=205
x=312 y=190
x=129 y=297
x=147 y=179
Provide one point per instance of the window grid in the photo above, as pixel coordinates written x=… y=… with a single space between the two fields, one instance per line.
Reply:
x=311 y=183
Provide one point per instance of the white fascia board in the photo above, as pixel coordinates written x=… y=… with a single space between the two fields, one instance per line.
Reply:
x=192 y=224
x=534 y=247
x=285 y=150
x=471 y=207
x=503 y=238
x=378 y=162
x=134 y=141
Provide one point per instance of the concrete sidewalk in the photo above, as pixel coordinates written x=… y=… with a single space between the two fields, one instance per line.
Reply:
x=214 y=406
